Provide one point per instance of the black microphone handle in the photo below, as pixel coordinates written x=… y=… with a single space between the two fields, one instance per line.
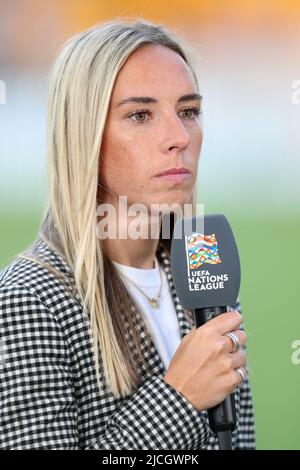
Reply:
x=222 y=417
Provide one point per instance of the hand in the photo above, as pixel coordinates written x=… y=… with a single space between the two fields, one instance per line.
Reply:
x=203 y=366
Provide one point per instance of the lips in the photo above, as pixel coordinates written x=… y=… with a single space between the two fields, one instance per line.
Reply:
x=174 y=171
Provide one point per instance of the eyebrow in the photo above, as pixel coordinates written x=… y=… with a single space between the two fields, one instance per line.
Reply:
x=148 y=99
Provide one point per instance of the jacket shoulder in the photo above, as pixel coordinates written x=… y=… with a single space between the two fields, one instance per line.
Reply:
x=51 y=280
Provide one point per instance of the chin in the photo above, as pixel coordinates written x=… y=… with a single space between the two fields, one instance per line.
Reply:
x=171 y=201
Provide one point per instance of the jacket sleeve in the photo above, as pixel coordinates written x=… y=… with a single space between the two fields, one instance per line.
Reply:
x=245 y=435
x=38 y=408
x=155 y=417
x=245 y=438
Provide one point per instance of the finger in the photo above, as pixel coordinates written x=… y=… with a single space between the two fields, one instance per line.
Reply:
x=228 y=321
x=238 y=359
x=242 y=338
x=241 y=375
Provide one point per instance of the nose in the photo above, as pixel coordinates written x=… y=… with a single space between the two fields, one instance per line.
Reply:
x=176 y=136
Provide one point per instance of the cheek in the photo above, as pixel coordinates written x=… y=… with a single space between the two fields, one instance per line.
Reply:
x=195 y=148
x=121 y=162
x=193 y=157
x=198 y=137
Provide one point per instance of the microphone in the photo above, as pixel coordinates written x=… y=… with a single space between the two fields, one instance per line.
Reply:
x=205 y=268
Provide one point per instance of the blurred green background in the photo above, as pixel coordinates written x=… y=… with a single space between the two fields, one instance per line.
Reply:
x=247 y=62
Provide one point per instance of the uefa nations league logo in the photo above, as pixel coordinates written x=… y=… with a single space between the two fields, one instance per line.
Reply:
x=201 y=249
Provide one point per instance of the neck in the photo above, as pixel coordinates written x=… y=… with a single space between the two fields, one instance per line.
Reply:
x=135 y=253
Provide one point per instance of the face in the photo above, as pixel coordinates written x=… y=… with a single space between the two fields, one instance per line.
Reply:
x=144 y=138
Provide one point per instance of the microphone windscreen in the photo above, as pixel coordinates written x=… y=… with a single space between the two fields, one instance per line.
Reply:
x=205 y=262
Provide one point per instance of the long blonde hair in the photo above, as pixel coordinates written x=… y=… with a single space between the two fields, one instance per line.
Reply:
x=81 y=84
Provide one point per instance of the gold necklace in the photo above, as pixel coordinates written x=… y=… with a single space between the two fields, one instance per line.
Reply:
x=154 y=302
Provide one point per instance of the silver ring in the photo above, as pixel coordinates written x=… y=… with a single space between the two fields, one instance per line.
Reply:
x=235 y=340
x=242 y=372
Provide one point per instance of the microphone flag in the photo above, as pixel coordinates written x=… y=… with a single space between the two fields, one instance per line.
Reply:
x=201 y=249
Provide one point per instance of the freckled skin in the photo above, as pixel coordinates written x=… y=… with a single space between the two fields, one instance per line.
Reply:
x=134 y=152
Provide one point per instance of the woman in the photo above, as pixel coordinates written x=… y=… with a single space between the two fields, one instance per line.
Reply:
x=87 y=361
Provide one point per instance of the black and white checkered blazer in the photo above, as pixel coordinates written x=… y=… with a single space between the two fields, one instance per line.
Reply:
x=49 y=397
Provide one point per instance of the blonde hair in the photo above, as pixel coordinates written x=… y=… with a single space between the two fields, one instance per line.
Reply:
x=81 y=84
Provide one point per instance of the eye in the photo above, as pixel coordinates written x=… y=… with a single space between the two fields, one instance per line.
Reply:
x=139 y=114
x=192 y=112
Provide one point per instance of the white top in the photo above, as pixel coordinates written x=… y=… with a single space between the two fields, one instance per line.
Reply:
x=162 y=322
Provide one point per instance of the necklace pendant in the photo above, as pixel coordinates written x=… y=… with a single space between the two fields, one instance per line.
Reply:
x=153 y=303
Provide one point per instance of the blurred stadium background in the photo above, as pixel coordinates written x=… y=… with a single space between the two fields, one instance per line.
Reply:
x=247 y=60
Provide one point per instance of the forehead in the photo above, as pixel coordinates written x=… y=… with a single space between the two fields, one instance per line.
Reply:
x=154 y=68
